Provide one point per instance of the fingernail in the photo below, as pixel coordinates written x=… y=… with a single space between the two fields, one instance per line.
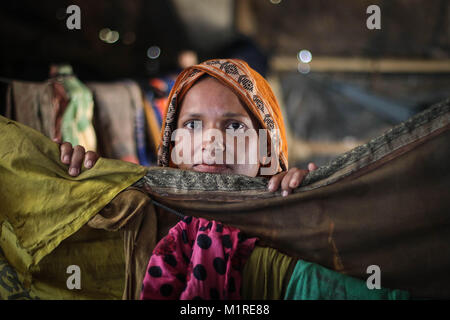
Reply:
x=88 y=164
x=73 y=171
x=284 y=193
x=66 y=159
x=270 y=186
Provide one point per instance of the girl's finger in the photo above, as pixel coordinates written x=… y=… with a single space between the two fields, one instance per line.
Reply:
x=76 y=161
x=286 y=181
x=297 y=178
x=90 y=159
x=275 y=181
x=66 y=152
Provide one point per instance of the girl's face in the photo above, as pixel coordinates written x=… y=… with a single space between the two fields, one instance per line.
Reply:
x=219 y=110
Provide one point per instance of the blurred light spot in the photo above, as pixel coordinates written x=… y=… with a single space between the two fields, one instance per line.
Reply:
x=103 y=34
x=109 y=36
x=305 y=56
x=153 y=52
x=129 y=38
x=275 y=1
x=303 y=68
x=114 y=37
x=187 y=58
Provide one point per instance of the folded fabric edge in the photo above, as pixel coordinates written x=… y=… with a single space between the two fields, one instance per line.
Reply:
x=201 y=186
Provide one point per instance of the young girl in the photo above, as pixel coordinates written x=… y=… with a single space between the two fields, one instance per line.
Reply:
x=220 y=95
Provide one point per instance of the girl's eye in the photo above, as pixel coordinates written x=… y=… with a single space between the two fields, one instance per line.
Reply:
x=236 y=126
x=193 y=124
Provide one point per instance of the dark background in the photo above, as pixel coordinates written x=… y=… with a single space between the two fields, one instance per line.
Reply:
x=33 y=34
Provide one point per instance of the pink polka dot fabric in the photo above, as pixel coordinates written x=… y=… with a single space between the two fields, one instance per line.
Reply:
x=198 y=259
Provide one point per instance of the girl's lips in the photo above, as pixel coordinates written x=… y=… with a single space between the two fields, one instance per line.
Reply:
x=213 y=168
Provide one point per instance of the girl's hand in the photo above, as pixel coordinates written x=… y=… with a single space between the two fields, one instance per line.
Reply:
x=289 y=180
x=74 y=157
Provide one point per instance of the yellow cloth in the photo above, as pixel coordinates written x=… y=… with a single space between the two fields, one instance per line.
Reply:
x=266 y=274
x=41 y=205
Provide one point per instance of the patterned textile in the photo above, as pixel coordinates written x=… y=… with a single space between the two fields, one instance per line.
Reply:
x=77 y=127
x=198 y=259
x=250 y=86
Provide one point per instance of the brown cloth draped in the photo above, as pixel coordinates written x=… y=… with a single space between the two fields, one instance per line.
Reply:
x=115 y=114
x=384 y=203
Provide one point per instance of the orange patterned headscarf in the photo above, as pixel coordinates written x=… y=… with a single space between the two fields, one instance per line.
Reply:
x=249 y=86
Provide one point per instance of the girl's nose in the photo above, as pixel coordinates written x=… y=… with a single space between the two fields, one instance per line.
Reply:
x=215 y=141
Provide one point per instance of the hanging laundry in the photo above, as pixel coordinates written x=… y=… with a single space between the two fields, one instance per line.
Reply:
x=137 y=102
x=77 y=127
x=31 y=103
x=60 y=103
x=160 y=89
x=116 y=120
x=153 y=129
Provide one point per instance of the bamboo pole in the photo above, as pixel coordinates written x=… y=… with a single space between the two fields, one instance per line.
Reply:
x=360 y=64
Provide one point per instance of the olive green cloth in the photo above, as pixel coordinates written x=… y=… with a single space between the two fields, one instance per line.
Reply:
x=265 y=274
x=98 y=254
x=311 y=281
x=41 y=204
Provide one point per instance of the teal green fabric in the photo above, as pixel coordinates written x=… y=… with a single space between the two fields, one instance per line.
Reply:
x=310 y=281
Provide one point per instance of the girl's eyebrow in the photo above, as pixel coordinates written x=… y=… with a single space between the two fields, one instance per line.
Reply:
x=234 y=114
x=193 y=115
x=225 y=115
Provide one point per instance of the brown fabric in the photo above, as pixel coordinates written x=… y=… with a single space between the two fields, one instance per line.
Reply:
x=39 y=105
x=394 y=216
x=142 y=226
x=115 y=112
x=385 y=203
x=60 y=103
x=33 y=105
